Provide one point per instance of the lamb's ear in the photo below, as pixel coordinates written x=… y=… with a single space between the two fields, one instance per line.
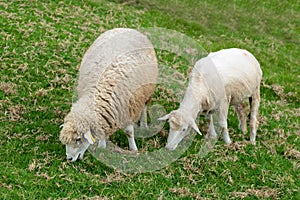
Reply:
x=90 y=138
x=195 y=127
x=164 y=117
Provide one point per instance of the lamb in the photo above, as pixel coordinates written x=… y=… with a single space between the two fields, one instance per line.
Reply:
x=223 y=78
x=117 y=78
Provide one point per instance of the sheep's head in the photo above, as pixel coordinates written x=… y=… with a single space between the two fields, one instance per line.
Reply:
x=76 y=140
x=180 y=125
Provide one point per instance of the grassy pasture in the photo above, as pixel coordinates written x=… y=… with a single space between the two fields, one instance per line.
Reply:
x=42 y=43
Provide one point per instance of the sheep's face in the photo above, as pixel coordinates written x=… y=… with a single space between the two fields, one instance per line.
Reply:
x=76 y=143
x=179 y=128
x=76 y=150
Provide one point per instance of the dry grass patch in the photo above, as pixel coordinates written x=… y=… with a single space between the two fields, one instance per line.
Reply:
x=264 y=192
x=15 y=112
x=8 y=88
x=293 y=153
x=185 y=192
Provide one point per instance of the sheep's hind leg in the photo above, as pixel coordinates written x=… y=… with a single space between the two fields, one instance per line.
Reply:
x=254 y=114
x=130 y=135
x=240 y=109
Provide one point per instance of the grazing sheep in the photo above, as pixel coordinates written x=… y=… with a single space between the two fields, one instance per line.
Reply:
x=117 y=78
x=223 y=78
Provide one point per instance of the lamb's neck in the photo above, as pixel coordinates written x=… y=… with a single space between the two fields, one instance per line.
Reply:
x=192 y=102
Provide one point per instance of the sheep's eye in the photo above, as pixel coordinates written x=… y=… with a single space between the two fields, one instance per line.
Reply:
x=78 y=140
x=183 y=130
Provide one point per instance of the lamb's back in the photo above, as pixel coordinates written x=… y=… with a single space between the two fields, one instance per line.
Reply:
x=240 y=72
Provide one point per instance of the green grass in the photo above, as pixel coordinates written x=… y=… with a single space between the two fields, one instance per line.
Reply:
x=42 y=44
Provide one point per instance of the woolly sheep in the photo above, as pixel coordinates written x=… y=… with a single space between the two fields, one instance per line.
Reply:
x=223 y=78
x=117 y=78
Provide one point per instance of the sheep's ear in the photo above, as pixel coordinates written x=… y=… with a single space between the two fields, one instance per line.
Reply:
x=195 y=127
x=90 y=138
x=164 y=117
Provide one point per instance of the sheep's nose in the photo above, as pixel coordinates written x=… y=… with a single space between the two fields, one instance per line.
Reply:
x=69 y=159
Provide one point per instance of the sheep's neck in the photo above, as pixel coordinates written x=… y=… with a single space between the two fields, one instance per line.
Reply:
x=83 y=108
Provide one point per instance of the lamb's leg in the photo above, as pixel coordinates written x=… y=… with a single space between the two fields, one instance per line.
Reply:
x=130 y=135
x=254 y=114
x=223 y=122
x=211 y=129
x=241 y=113
x=143 y=120
x=250 y=103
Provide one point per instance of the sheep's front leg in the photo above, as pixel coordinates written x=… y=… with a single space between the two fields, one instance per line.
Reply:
x=240 y=109
x=102 y=143
x=130 y=135
x=253 y=114
x=143 y=120
x=211 y=129
x=223 y=122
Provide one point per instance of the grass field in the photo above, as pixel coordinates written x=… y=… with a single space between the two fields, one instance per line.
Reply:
x=42 y=44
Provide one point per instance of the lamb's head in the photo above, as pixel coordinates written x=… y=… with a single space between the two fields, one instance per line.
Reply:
x=180 y=125
x=76 y=139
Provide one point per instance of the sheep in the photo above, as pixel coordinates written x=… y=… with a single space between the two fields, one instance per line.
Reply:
x=222 y=78
x=117 y=78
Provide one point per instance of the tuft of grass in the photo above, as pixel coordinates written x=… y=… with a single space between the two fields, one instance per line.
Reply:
x=42 y=44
